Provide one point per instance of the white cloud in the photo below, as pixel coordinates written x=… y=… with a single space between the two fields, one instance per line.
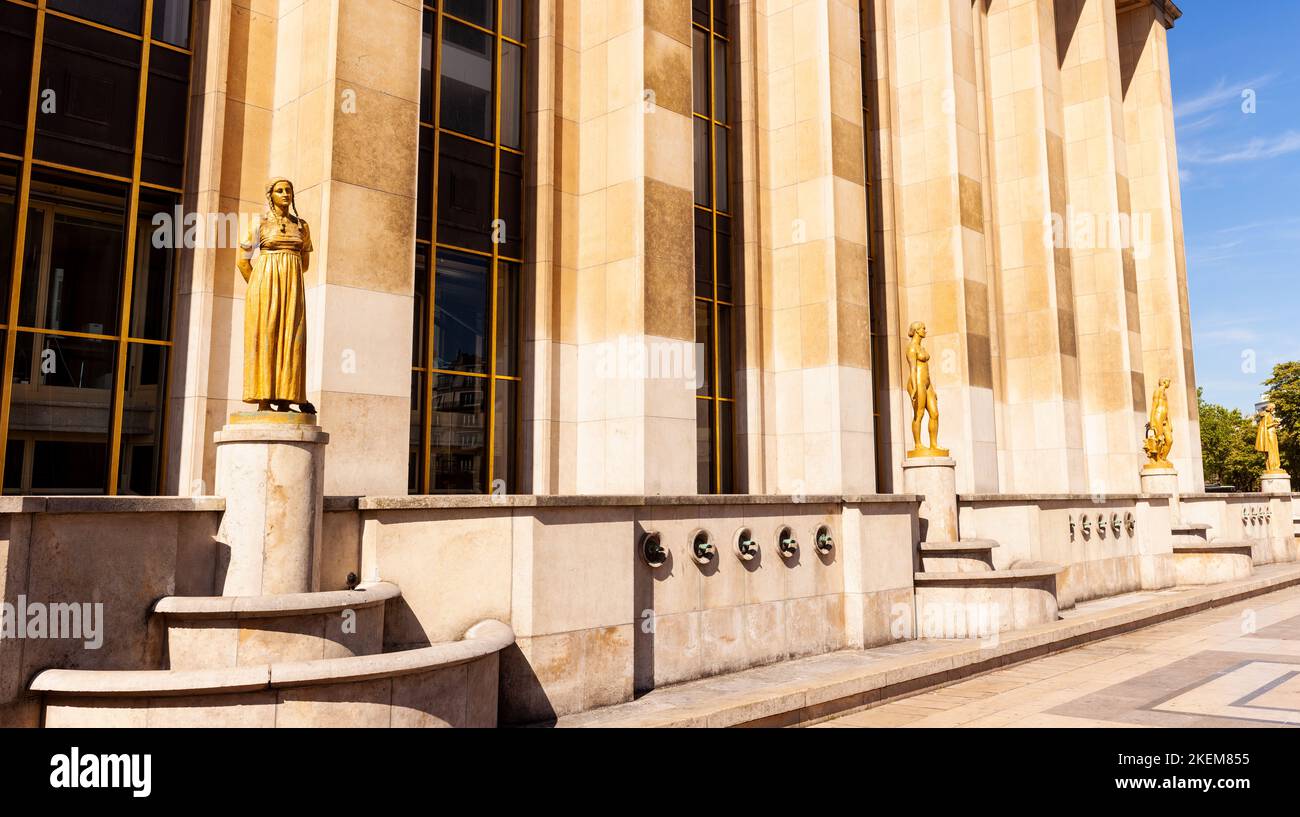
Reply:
x=1222 y=92
x=1255 y=150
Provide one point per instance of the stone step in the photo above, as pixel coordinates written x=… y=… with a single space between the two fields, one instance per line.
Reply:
x=966 y=556
x=223 y=632
x=450 y=684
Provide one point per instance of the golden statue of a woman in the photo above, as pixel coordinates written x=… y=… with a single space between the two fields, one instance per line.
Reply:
x=276 y=253
x=1160 y=432
x=921 y=390
x=1266 y=441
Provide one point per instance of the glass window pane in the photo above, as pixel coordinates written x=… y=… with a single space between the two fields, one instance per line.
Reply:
x=91 y=80
x=466 y=105
x=60 y=413
x=726 y=454
x=461 y=294
x=503 y=438
x=465 y=194
x=720 y=174
x=724 y=351
x=151 y=285
x=704 y=446
x=700 y=12
x=703 y=253
x=512 y=95
x=171 y=22
x=723 y=258
x=475 y=11
x=700 y=71
x=123 y=14
x=415 y=461
x=72 y=278
x=458 y=435
x=702 y=192
x=704 y=339
x=163 y=161
x=512 y=19
x=426 y=66
x=424 y=191
x=17 y=27
x=8 y=226
x=420 y=311
x=142 y=419
x=507 y=335
x=511 y=205
x=720 y=80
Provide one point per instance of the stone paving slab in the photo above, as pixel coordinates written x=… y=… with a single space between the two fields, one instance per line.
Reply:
x=813 y=689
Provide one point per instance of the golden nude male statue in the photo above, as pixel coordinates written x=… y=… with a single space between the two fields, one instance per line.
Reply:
x=276 y=254
x=921 y=390
x=1160 y=431
x=1266 y=441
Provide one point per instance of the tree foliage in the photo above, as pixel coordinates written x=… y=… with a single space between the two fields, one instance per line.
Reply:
x=1228 y=447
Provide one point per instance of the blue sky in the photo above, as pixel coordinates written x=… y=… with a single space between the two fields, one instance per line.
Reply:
x=1241 y=187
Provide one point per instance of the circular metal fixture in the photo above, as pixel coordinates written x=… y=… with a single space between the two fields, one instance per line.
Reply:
x=786 y=543
x=1085 y=522
x=702 y=549
x=1101 y=525
x=746 y=547
x=1130 y=522
x=653 y=551
x=1073 y=525
x=825 y=542
x=1116 y=525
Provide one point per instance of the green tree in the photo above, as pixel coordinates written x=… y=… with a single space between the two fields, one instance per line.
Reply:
x=1228 y=447
x=1284 y=393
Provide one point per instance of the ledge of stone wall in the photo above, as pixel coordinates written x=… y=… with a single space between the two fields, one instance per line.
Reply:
x=1022 y=498
x=111 y=504
x=410 y=503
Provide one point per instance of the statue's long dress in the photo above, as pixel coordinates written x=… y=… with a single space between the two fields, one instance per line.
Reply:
x=1266 y=441
x=275 y=313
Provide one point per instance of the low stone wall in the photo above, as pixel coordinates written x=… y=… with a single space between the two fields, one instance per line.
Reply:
x=594 y=622
x=122 y=552
x=1077 y=532
x=1263 y=520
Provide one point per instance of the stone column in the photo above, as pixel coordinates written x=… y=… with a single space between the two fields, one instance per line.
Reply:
x=934 y=479
x=1043 y=443
x=811 y=202
x=1156 y=203
x=939 y=238
x=1275 y=482
x=270 y=470
x=1097 y=229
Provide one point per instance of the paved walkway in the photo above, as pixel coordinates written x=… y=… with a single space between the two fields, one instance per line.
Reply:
x=1237 y=665
x=1125 y=660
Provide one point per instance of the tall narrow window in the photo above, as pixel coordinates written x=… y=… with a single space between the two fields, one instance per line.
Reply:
x=88 y=272
x=877 y=303
x=715 y=402
x=469 y=236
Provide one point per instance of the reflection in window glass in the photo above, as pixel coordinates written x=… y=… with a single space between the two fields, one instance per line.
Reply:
x=466 y=80
x=465 y=194
x=123 y=14
x=458 y=435
x=17 y=26
x=478 y=12
x=165 y=108
x=140 y=458
x=151 y=285
x=512 y=96
x=460 y=320
x=503 y=439
x=171 y=22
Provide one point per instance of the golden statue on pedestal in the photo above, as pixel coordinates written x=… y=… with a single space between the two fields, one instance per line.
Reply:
x=1160 y=432
x=276 y=253
x=921 y=390
x=1266 y=441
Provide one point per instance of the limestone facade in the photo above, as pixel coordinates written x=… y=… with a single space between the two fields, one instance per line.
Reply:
x=942 y=139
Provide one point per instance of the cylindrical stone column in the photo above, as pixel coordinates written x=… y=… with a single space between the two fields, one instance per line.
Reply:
x=1273 y=482
x=1163 y=481
x=270 y=469
x=935 y=480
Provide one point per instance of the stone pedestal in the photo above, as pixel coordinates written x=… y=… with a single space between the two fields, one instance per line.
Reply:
x=935 y=480
x=1275 y=482
x=1163 y=481
x=270 y=469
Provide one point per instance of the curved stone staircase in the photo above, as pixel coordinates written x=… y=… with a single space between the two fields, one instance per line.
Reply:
x=958 y=581
x=287 y=660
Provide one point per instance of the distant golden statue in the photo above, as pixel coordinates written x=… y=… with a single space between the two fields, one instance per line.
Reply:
x=1266 y=441
x=921 y=390
x=276 y=253
x=1160 y=432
